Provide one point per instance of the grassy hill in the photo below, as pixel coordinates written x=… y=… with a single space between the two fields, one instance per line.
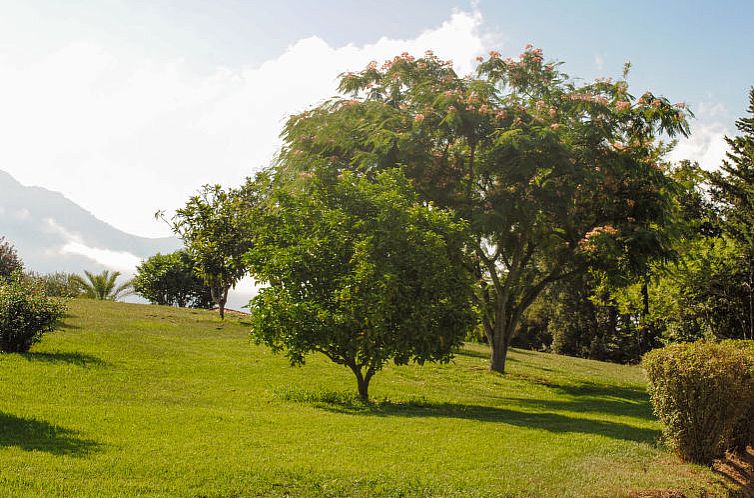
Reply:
x=135 y=400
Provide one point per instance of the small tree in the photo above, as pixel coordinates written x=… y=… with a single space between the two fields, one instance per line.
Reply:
x=169 y=279
x=362 y=272
x=9 y=260
x=103 y=286
x=215 y=226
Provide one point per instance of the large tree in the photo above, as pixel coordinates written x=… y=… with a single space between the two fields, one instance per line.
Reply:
x=733 y=188
x=360 y=271
x=538 y=165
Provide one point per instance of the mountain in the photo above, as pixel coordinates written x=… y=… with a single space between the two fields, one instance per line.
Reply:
x=52 y=233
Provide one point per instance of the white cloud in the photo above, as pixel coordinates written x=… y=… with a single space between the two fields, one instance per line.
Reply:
x=126 y=137
x=22 y=214
x=706 y=145
x=122 y=261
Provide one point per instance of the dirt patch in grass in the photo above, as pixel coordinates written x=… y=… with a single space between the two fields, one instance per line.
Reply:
x=738 y=471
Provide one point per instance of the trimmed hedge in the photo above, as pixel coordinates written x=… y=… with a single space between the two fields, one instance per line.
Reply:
x=25 y=313
x=700 y=392
x=743 y=431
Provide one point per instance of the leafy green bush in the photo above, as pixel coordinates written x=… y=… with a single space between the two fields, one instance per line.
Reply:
x=26 y=313
x=699 y=391
x=58 y=284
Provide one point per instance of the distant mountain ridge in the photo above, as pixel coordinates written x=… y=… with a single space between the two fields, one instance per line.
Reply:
x=52 y=233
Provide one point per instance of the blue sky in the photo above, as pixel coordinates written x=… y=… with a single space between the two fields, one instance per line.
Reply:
x=158 y=97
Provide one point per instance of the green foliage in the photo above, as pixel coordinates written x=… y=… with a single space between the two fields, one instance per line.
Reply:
x=169 y=279
x=9 y=260
x=733 y=188
x=546 y=171
x=699 y=391
x=706 y=293
x=217 y=227
x=733 y=185
x=362 y=272
x=103 y=286
x=58 y=284
x=26 y=313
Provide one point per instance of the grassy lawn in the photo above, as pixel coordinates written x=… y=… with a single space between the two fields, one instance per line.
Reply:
x=134 y=400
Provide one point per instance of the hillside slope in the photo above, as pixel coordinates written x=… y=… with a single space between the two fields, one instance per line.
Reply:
x=133 y=400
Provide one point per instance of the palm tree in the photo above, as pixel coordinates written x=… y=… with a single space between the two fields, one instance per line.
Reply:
x=103 y=286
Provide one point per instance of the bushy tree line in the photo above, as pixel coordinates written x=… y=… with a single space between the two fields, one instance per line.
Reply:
x=561 y=187
x=580 y=237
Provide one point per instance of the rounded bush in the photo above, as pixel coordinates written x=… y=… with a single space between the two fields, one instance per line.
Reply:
x=699 y=392
x=26 y=313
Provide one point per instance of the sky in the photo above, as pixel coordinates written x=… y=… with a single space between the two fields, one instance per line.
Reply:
x=128 y=107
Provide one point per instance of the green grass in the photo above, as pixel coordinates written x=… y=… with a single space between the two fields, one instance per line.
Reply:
x=134 y=400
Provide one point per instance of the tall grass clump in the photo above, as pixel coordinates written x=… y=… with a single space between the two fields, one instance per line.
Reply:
x=700 y=392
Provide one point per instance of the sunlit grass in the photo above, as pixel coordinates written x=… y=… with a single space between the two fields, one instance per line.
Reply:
x=132 y=400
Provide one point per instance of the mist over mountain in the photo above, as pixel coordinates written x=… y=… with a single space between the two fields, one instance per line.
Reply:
x=52 y=233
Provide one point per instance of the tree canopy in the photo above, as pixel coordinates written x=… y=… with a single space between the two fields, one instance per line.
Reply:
x=544 y=170
x=361 y=271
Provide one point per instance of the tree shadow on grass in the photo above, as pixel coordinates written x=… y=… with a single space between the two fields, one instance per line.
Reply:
x=626 y=401
x=543 y=420
x=30 y=434
x=78 y=359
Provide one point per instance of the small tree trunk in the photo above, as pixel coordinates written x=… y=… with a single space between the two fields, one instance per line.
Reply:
x=362 y=380
x=499 y=346
x=221 y=302
x=751 y=300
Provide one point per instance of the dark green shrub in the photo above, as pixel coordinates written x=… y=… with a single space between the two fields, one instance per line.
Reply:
x=25 y=313
x=699 y=392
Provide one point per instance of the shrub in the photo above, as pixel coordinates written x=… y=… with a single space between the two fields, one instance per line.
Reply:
x=58 y=284
x=743 y=431
x=699 y=391
x=169 y=279
x=9 y=260
x=25 y=313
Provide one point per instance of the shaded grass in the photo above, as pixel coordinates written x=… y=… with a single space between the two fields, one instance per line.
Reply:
x=145 y=400
x=35 y=435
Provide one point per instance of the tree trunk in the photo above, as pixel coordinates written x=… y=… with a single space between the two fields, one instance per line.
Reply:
x=751 y=301
x=499 y=346
x=362 y=378
x=644 y=332
x=221 y=302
